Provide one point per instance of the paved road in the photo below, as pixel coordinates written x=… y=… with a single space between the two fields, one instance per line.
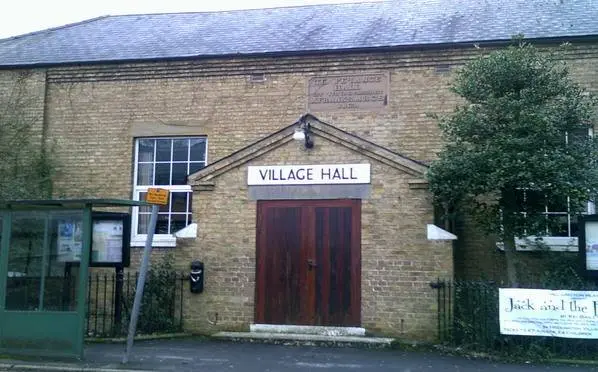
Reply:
x=195 y=355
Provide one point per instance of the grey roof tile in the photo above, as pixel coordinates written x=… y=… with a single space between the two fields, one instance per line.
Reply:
x=301 y=29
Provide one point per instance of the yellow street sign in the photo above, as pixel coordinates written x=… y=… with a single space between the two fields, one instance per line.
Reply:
x=157 y=196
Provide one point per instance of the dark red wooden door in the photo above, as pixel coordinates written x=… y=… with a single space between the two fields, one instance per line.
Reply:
x=308 y=262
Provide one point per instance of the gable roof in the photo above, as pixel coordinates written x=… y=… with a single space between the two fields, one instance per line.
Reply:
x=320 y=129
x=316 y=28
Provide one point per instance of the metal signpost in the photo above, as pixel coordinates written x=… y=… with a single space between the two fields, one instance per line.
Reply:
x=156 y=197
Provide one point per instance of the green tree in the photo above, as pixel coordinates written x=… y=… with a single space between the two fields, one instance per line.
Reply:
x=26 y=167
x=522 y=129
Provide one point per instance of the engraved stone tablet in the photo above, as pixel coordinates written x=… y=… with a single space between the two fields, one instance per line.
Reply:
x=361 y=92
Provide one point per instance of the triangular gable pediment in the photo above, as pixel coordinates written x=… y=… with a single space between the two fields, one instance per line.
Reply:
x=319 y=129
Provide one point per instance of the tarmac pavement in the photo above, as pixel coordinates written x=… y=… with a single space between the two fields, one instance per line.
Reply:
x=215 y=356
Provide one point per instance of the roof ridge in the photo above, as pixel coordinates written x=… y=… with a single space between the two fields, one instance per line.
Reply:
x=55 y=28
x=348 y=2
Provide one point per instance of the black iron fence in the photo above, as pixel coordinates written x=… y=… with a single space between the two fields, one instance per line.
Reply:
x=468 y=318
x=110 y=300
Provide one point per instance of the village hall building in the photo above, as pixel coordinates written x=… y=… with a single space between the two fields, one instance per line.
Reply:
x=295 y=143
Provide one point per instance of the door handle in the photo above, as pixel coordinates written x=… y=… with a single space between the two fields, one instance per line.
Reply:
x=311 y=263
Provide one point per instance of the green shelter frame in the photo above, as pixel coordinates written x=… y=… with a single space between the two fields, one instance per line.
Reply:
x=45 y=250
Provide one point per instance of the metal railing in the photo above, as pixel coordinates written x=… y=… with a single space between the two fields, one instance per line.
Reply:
x=110 y=300
x=468 y=318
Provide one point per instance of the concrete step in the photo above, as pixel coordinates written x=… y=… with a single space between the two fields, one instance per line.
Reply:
x=306 y=339
x=307 y=330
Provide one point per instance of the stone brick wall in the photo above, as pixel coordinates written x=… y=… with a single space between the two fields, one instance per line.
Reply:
x=22 y=101
x=93 y=113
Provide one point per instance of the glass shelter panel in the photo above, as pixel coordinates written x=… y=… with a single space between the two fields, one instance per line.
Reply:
x=43 y=259
x=25 y=261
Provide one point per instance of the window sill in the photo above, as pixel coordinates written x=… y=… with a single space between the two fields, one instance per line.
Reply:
x=164 y=241
x=553 y=243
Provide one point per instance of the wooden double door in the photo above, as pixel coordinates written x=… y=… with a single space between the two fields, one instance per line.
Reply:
x=308 y=262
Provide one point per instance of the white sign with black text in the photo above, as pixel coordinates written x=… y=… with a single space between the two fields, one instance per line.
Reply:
x=544 y=312
x=308 y=174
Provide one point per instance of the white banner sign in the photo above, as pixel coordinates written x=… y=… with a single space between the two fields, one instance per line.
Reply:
x=308 y=174
x=543 y=312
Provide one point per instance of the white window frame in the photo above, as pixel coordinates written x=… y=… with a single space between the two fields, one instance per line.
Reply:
x=554 y=243
x=159 y=240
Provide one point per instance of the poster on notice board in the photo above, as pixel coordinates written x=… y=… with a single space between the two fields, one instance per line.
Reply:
x=107 y=244
x=70 y=241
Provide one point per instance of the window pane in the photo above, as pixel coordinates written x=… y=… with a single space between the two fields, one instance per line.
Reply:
x=579 y=208
x=520 y=199
x=558 y=225
x=179 y=173
x=164 y=208
x=574 y=227
x=198 y=149
x=179 y=202
x=163 y=149
x=143 y=223
x=162 y=174
x=179 y=221
x=145 y=174
x=144 y=208
x=146 y=150
x=577 y=135
x=555 y=204
x=194 y=167
x=535 y=201
x=180 y=150
x=162 y=224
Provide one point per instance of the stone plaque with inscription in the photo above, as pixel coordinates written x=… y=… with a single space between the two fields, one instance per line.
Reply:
x=364 y=92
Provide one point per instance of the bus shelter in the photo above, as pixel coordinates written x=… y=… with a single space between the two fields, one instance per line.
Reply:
x=45 y=254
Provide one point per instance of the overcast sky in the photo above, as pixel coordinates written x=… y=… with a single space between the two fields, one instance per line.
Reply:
x=23 y=16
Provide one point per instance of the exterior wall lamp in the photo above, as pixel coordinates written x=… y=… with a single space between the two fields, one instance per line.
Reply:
x=303 y=133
